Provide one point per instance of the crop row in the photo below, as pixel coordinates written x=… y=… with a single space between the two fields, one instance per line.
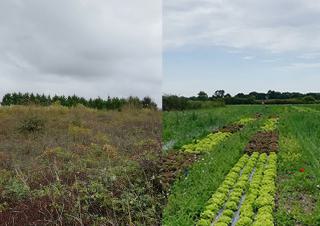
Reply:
x=207 y=143
x=211 y=140
x=270 y=125
x=246 y=196
x=245 y=121
x=247 y=212
x=264 y=204
x=221 y=206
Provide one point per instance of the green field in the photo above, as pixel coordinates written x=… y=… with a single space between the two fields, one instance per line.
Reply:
x=181 y=127
x=294 y=200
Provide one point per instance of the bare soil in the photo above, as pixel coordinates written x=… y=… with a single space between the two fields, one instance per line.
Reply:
x=174 y=165
x=233 y=128
x=263 y=142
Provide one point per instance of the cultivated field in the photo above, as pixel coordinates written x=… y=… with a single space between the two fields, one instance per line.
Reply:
x=78 y=166
x=252 y=165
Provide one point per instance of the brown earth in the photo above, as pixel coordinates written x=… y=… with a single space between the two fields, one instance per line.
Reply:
x=233 y=128
x=174 y=165
x=263 y=142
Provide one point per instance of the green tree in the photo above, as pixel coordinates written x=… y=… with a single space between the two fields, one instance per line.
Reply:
x=202 y=96
x=219 y=93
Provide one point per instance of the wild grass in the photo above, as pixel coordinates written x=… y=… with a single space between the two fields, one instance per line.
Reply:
x=79 y=166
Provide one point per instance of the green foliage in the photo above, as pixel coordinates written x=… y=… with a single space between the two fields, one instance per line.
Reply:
x=32 y=124
x=260 y=194
x=270 y=125
x=173 y=102
x=73 y=101
x=204 y=222
x=244 y=221
x=205 y=144
x=182 y=127
x=230 y=198
x=224 y=219
x=193 y=195
x=245 y=121
x=309 y=99
x=271 y=97
x=15 y=189
x=298 y=192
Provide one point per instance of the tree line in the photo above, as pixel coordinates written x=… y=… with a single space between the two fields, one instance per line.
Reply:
x=221 y=98
x=71 y=101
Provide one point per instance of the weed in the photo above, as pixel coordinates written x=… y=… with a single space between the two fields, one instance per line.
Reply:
x=32 y=124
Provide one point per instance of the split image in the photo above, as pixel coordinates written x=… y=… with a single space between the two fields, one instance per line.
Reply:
x=174 y=113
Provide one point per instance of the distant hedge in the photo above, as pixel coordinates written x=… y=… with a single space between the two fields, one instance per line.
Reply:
x=172 y=102
x=219 y=98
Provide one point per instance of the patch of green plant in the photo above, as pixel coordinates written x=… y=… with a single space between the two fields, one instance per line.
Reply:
x=32 y=124
x=205 y=144
x=245 y=121
x=258 y=195
x=15 y=189
x=270 y=125
x=181 y=127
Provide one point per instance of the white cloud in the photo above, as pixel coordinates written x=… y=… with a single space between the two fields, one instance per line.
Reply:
x=87 y=47
x=248 y=57
x=301 y=66
x=271 y=25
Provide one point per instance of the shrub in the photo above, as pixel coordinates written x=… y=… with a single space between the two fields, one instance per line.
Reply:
x=16 y=189
x=33 y=124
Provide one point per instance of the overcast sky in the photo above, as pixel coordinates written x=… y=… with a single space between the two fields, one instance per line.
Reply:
x=241 y=46
x=86 y=47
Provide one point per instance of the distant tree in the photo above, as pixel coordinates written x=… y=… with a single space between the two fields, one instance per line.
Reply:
x=173 y=102
x=227 y=95
x=7 y=100
x=134 y=102
x=258 y=96
x=219 y=93
x=309 y=99
x=148 y=103
x=274 y=95
x=240 y=95
x=71 y=101
x=202 y=95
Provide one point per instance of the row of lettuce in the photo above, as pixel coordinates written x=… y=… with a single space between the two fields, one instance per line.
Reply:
x=246 y=196
x=270 y=125
x=207 y=143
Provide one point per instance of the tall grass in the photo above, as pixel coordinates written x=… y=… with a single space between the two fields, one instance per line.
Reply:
x=299 y=168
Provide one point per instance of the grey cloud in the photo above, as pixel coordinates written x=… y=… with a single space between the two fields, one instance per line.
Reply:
x=96 y=42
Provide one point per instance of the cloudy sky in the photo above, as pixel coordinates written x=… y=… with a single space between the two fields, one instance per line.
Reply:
x=86 y=47
x=241 y=46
